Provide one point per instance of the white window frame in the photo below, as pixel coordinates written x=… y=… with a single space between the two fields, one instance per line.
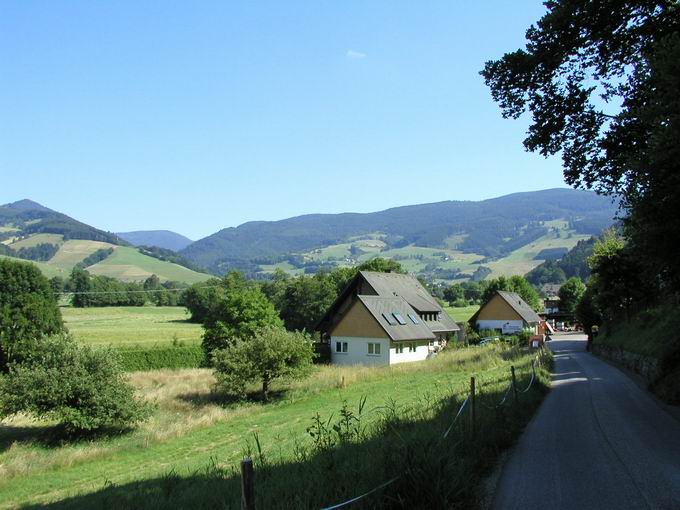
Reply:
x=412 y=346
x=399 y=348
x=343 y=347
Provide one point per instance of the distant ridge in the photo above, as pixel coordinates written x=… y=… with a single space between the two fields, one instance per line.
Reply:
x=27 y=205
x=161 y=238
x=491 y=228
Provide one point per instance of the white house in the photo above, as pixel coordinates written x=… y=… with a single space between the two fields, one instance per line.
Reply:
x=507 y=313
x=383 y=319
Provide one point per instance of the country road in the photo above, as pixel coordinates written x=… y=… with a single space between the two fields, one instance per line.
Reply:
x=597 y=442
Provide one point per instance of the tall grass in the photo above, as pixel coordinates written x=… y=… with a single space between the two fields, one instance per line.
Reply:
x=193 y=419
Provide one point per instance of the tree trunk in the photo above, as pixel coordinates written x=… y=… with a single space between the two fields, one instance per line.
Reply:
x=265 y=387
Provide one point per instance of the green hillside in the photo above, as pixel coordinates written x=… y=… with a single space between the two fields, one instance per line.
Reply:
x=128 y=264
x=56 y=243
x=490 y=229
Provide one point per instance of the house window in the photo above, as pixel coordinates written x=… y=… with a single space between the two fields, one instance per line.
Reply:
x=341 y=347
x=374 y=349
x=399 y=348
x=412 y=347
x=413 y=318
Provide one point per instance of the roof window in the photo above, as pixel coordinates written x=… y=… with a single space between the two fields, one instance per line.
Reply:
x=399 y=318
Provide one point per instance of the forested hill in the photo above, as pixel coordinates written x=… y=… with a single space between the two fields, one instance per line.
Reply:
x=491 y=228
x=25 y=218
x=161 y=238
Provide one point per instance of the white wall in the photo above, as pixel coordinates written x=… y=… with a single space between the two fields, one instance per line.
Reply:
x=421 y=353
x=357 y=351
x=500 y=324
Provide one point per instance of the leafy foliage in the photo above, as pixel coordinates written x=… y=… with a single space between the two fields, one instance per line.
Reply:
x=601 y=81
x=573 y=264
x=570 y=294
x=238 y=312
x=517 y=284
x=272 y=353
x=156 y=358
x=95 y=257
x=28 y=311
x=75 y=385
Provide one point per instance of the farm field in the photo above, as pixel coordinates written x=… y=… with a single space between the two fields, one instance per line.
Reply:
x=74 y=251
x=522 y=260
x=132 y=326
x=45 y=268
x=193 y=429
x=461 y=314
x=128 y=264
x=37 y=239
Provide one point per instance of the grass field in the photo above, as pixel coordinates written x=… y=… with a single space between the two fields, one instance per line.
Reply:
x=45 y=268
x=461 y=314
x=132 y=326
x=74 y=251
x=194 y=429
x=128 y=264
x=522 y=260
x=37 y=239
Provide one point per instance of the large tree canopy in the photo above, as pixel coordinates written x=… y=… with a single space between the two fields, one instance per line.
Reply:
x=601 y=80
x=28 y=310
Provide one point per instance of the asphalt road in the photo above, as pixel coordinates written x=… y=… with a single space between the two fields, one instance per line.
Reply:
x=597 y=442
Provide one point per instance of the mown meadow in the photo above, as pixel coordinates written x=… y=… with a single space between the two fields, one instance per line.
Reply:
x=314 y=444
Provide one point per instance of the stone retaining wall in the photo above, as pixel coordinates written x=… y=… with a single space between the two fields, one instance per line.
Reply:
x=643 y=365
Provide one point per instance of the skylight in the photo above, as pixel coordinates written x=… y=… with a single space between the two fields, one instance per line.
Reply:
x=399 y=318
x=413 y=318
x=390 y=320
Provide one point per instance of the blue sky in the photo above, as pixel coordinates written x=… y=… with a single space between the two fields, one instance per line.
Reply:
x=195 y=116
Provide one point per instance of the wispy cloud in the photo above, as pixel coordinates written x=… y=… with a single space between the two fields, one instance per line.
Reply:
x=353 y=54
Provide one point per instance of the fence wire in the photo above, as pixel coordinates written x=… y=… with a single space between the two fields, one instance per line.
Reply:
x=446 y=434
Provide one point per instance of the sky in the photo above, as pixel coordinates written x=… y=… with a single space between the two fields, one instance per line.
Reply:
x=196 y=116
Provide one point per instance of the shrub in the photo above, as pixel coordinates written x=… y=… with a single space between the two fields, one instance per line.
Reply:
x=272 y=353
x=75 y=385
x=156 y=358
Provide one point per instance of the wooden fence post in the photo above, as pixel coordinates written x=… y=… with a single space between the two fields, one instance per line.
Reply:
x=247 y=485
x=472 y=405
x=514 y=383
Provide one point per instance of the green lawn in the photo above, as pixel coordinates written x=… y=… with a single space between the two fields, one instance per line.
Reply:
x=128 y=264
x=191 y=430
x=461 y=314
x=131 y=326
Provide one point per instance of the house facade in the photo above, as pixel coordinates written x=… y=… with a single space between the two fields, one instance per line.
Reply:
x=383 y=319
x=507 y=313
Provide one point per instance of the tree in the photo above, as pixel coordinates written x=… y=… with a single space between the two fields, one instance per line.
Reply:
x=382 y=265
x=273 y=353
x=587 y=312
x=305 y=300
x=28 y=311
x=80 y=387
x=517 y=284
x=200 y=297
x=601 y=80
x=238 y=313
x=454 y=293
x=570 y=294
x=79 y=283
x=618 y=283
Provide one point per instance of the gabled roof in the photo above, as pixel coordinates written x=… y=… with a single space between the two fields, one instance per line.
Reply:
x=378 y=306
x=402 y=285
x=517 y=304
x=443 y=324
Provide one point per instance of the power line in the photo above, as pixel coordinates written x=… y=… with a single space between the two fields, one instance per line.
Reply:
x=149 y=291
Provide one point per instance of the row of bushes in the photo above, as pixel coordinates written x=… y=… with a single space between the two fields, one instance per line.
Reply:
x=156 y=358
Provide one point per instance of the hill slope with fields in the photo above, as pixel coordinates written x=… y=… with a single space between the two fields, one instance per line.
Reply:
x=445 y=240
x=57 y=243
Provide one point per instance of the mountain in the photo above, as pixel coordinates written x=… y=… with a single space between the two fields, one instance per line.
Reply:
x=489 y=229
x=161 y=238
x=26 y=217
x=56 y=243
